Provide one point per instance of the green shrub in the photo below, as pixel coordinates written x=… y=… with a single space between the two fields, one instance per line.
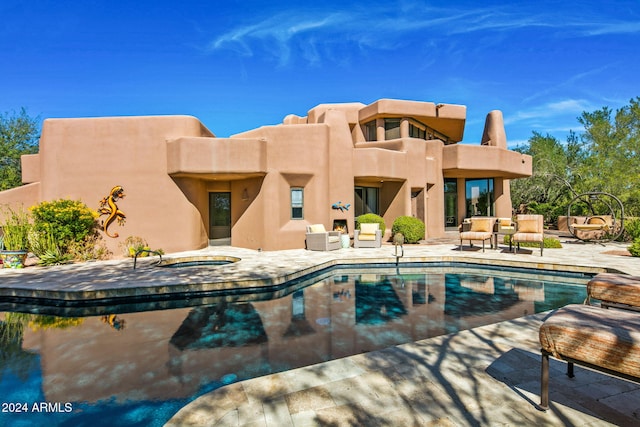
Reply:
x=549 y=242
x=44 y=246
x=549 y=211
x=68 y=220
x=91 y=248
x=16 y=229
x=631 y=229
x=371 y=219
x=411 y=228
x=634 y=249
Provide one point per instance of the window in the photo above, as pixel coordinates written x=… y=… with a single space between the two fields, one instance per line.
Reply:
x=479 y=195
x=417 y=132
x=365 y=200
x=297 y=203
x=391 y=129
x=422 y=131
x=370 y=131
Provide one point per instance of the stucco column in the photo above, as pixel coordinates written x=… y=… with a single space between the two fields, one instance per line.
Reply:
x=404 y=128
x=380 y=130
x=502 y=194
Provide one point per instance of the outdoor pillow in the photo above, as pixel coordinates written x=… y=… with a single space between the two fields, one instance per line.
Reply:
x=505 y=222
x=317 y=228
x=366 y=237
x=369 y=228
x=528 y=226
x=480 y=225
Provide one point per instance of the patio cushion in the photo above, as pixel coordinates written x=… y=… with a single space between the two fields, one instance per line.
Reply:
x=606 y=338
x=368 y=231
x=475 y=235
x=616 y=288
x=528 y=226
x=528 y=237
x=317 y=228
x=369 y=228
x=505 y=222
x=480 y=225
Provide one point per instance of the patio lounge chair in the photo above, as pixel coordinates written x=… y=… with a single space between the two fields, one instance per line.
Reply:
x=593 y=227
x=318 y=239
x=369 y=236
x=479 y=228
x=529 y=228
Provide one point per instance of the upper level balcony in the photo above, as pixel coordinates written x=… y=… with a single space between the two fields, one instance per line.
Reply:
x=481 y=161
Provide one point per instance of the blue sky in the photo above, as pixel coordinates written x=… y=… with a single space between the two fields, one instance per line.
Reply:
x=238 y=65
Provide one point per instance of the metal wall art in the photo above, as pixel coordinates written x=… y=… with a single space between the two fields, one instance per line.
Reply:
x=109 y=207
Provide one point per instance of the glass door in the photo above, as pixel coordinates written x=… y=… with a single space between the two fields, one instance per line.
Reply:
x=220 y=218
x=479 y=195
x=365 y=200
x=450 y=203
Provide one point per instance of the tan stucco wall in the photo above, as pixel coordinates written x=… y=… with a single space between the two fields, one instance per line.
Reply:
x=169 y=165
x=82 y=159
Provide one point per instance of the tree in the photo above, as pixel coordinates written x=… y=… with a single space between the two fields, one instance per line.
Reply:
x=18 y=136
x=605 y=157
x=552 y=182
x=612 y=142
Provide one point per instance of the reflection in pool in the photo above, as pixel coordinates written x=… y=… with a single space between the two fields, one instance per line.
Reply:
x=123 y=367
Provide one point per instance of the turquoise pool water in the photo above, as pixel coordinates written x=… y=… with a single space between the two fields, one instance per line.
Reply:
x=139 y=363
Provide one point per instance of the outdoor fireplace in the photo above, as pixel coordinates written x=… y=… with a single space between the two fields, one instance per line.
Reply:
x=341 y=226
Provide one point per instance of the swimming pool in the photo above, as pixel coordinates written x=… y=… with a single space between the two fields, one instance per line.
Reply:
x=138 y=364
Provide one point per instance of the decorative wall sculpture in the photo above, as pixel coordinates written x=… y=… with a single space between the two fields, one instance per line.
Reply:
x=109 y=207
x=340 y=206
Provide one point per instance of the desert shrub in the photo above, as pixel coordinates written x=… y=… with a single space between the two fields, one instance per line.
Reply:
x=67 y=220
x=549 y=211
x=15 y=229
x=133 y=244
x=634 y=249
x=549 y=242
x=371 y=219
x=631 y=229
x=91 y=248
x=43 y=245
x=411 y=228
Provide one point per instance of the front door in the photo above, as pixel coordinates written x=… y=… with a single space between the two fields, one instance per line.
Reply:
x=220 y=218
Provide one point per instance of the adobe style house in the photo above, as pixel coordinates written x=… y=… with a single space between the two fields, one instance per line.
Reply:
x=185 y=188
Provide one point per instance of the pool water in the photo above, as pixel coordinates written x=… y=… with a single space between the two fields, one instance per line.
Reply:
x=111 y=365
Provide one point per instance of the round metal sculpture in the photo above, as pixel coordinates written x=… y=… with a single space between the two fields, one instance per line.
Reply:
x=595 y=216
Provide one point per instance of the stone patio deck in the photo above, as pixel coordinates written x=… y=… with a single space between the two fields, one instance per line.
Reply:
x=484 y=376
